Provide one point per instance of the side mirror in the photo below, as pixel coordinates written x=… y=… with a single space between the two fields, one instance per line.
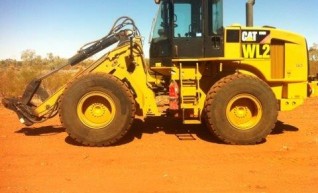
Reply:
x=157 y=1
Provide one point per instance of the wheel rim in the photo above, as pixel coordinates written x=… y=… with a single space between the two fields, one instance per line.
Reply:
x=96 y=110
x=244 y=111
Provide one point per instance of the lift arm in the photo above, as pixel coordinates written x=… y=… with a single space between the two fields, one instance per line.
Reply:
x=24 y=107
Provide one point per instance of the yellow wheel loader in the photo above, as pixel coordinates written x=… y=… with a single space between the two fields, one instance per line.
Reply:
x=235 y=78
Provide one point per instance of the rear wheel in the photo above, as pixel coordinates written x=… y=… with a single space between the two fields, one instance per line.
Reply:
x=97 y=109
x=241 y=109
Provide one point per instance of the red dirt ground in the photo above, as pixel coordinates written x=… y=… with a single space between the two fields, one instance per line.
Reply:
x=160 y=156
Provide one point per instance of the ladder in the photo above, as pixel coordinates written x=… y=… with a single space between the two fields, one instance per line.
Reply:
x=190 y=94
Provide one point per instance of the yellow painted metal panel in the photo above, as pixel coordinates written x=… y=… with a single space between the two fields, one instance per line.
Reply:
x=290 y=104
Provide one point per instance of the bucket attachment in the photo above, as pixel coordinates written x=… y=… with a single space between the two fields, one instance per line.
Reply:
x=24 y=112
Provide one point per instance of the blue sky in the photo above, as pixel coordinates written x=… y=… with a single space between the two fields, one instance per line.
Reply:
x=61 y=27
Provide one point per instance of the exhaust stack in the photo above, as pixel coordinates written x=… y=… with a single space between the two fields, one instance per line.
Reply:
x=250 y=13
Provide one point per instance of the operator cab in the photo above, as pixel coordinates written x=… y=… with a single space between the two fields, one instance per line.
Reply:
x=179 y=31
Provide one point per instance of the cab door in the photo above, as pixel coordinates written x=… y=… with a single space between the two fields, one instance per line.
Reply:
x=187 y=29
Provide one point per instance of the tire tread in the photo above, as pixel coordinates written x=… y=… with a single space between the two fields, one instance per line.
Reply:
x=211 y=98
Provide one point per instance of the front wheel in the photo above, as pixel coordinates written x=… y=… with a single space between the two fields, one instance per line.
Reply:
x=241 y=109
x=97 y=109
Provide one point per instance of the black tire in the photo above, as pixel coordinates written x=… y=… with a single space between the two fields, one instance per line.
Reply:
x=97 y=109
x=241 y=109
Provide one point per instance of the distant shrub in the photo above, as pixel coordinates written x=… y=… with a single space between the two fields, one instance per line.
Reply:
x=313 y=70
x=13 y=80
x=15 y=75
x=54 y=82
